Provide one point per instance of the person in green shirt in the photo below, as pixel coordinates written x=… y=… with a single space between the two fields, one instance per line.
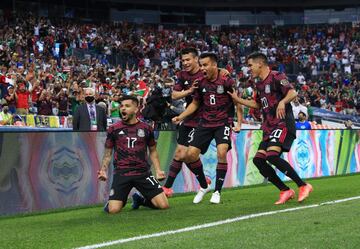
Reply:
x=5 y=116
x=114 y=107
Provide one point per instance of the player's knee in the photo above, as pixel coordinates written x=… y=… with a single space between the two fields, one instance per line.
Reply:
x=163 y=205
x=161 y=202
x=191 y=157
x=114 y=209
x=221 y=154
x=180 y=154
x=259 y=160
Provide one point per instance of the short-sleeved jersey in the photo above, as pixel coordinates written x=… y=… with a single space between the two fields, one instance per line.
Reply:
x=216 y=105
x=130 y=144
x=184 y=82
x=269 y=93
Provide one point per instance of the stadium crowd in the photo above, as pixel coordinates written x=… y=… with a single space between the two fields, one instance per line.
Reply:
x=45 y=65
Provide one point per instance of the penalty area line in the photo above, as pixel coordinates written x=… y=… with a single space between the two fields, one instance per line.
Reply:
x=213 y=224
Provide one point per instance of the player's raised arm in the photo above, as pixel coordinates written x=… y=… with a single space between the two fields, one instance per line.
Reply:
x=154 y=156
x=102 y=173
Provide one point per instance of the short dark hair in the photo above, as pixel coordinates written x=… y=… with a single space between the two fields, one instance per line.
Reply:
x=189 y=50
x=212 y=56
x=130 y=97
x=258 y=56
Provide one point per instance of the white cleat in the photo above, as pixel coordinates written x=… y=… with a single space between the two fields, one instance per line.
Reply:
x=215 y=198
x=200 y=195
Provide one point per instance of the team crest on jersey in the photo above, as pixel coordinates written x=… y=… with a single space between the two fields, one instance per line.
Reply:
x=267 y=89
x=141 y=133
x=220 y=89
x=284 y=82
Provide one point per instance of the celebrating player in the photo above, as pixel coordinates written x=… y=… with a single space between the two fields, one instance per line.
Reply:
x=130 y=139
x=217 y=111
x=274 y=94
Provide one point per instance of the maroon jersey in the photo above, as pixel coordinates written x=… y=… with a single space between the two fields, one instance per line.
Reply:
x=130 y=143
x=217 y=107
x=184 y=82
x=269 y=93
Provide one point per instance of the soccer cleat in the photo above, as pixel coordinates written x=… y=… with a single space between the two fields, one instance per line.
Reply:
x=304 y=192
x=106 y=207
x=215 y=198
x=168 y=191
x=200 y=194
x=137 y=201
x=285 y=196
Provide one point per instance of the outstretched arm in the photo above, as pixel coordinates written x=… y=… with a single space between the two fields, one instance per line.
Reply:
x=237 y=100
x=188 y=111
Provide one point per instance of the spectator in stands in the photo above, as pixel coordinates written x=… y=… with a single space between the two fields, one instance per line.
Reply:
x=22 y=95
x=114 y=108
x=297 y=108
x=302 y=123
x=348 y=124
x=10 y=99
x=44 y=103
x=89 y=116
x=5 y=116
x=62 y=102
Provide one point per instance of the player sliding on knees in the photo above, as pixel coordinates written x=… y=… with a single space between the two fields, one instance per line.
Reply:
x=274 y=94
x=130 y=139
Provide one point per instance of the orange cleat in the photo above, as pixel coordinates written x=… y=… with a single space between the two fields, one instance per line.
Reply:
x=304 y=192
x=168 y=191
x=285 y=196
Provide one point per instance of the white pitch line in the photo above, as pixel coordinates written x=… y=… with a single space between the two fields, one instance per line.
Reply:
x=212 y=224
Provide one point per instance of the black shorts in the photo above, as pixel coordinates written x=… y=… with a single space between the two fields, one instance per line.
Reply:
x=278 y=137
x=185 y=135
x=146 y=184
x=204 y=135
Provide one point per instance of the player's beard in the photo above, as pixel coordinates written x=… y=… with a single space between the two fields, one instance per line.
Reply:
x=127 y=117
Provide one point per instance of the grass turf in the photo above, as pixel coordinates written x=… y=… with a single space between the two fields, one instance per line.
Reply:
x=324 y=227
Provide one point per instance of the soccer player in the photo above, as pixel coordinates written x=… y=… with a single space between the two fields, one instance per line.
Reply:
x=186 y=84
x=274 y=94
x=131 y=139
x=217 y=111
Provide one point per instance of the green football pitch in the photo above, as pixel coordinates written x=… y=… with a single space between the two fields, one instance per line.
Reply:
x=317 y=223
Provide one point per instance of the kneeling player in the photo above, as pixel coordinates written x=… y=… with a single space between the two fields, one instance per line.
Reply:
x=130 y=139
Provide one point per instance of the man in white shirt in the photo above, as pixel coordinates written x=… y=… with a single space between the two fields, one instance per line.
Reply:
x=297 y=108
